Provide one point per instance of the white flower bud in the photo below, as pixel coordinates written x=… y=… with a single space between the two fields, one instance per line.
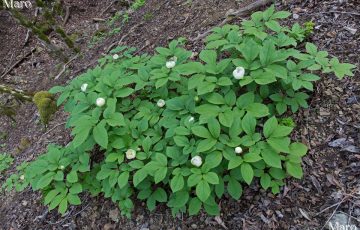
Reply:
x=191 y=119
x=160 y=103
x=100 y=101
x=61 y=167
x=22 y=177
x=130 y=154
x=196 y=161
x=84 y=87
x=115 y=56
x=239 y=73
x=238 y=149
x=170 y=64
x=197 y=98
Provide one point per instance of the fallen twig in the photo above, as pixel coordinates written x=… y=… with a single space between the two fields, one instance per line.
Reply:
x=122 y=38
x=67 y=15
x=27 y=37
x=17 y=63
x=64 y=67
x=230 y=15
x=108 y=7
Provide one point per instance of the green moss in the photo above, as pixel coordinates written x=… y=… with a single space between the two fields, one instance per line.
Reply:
x=46 y=105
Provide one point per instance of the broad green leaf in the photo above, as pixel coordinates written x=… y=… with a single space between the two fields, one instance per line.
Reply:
x=248 y=123
x=211 y=178
x=123 y=179
x=194 y=206
x=214 y=127
x=100 y=134
x=205 y=145
x=265 y=181
x=279 y=143
x=271 y=157
x=298 y=149
x=247 y=172
x=208 y=56
x=270 y=126
x=177 y=183
x=258 y=109
x=294 y=170
x=203 y=190
x=201 y=131
x=234 y=188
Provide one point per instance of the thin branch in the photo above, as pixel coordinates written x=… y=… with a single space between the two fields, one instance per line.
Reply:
x=67 y=15
x=64 y=67
x=229 y=16
x=18 y=62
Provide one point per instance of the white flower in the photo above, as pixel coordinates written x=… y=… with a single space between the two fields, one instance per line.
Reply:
x=196 y=161
x=100 y=101
x=115 y=56
x=238 y=73
x=84 y=87
x=130 y=154
x=160 y=103
x=61 y=167
x=191 y=119
x=238 y=150
x=22 y=177
x=170 y=64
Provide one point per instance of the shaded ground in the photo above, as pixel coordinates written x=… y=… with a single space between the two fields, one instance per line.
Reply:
x=330 y=174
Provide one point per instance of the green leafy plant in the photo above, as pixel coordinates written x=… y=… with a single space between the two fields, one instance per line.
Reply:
x=170 y=129
x=5 y=161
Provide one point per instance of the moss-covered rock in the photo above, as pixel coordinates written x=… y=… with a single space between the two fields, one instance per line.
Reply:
x=46 y=105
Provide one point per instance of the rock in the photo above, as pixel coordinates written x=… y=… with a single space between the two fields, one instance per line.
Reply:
x=114 y=215
x=338 y=220
x=194 y=226
x=296 y=16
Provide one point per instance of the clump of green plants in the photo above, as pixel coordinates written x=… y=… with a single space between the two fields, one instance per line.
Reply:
x=309 y=28
x=169 y=129
x=5 y=161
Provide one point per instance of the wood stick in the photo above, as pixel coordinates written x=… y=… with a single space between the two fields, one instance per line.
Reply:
x=231 y=15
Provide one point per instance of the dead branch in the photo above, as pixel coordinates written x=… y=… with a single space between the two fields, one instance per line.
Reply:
x=17 y=63
x=66 y=65
x=67 y=15
x=232 y=14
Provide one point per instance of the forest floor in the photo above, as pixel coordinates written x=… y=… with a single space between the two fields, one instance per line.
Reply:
x=330 y=127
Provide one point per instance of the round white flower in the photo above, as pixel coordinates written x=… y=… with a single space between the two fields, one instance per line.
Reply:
x=238 y=150
x=160 y=103
x=191 y=119
x=130 y=154
x=115 y=56
x=22 y=177
x=100 y=101
x=61 y=167
x=239 y=73
x=196 y=161
x=170 y=64
x=84 y=87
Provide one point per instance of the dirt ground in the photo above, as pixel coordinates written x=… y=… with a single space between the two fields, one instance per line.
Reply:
x=331 y=169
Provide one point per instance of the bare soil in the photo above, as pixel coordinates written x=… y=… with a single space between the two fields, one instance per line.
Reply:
x=331 y=174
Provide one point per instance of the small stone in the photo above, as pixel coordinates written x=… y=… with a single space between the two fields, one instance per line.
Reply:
x=114 y=215
x=194 y=226
x=296 y=16
x=24 y=202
